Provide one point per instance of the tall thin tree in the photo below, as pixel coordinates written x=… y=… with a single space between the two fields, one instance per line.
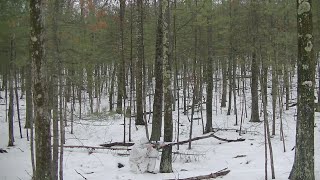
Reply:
x=158 y=69
x=139 y=61
x=209 y=77
x=42 y=121
x=166 y=158
x=121 y=66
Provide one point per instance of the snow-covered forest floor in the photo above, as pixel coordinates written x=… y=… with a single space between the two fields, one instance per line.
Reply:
x=206 y=156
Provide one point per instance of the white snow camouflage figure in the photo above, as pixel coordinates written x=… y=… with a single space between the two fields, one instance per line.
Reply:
x=143 y=157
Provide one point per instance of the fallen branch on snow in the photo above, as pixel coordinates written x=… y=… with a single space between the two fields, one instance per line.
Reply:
x=96 y=147
x=3 y=151
x=176 y=143
x=222 y=172
x=80 y=174
x=117 y=144
x=109 y=146
x=204 y=137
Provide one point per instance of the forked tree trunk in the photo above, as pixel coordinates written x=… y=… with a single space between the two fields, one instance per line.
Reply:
x=264 y=86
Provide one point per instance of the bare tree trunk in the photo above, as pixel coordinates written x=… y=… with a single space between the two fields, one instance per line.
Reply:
x=55 y=10
x=90 y=86
x=166 y=158
x=29 y=104
x=139 y=61
x=158 y=96
x=42 y=121
x=17 y=100
x=62 y=125
x=121 y=68
x=11 y=93
x=72 y=108
x=185 y=105
x=303 y=167
x=318 y=104
x=230 y=84
x=274 y=96
x=282 y=137
x=194 y=76
x=254 y=65
x=254 y=89
x=287 y=86
x=224 y=84
x=131 y=68
x=263 y=83
x=176 y=71
x=111 y=92
x=22 y=82
x=209 y=75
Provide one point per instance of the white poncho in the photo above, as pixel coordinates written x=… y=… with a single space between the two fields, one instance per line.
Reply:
x=143 y=157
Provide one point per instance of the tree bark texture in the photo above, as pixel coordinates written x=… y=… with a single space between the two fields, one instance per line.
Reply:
x=121 y=68
x=303 y=168
x=42 y=121
x=254 y=65
x=11 y=95
x=55 y=8
x=139 y=61
x=158 y=96
x=209 y=71
x=166 y=158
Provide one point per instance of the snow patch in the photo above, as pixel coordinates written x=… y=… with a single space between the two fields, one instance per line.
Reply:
x=309 y=46
x=304 y=7
x=307 y=83
x=33 y=39
x=309 y=36
x=305 y=67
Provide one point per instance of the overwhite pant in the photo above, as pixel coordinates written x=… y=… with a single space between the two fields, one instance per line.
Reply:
x=143 y=160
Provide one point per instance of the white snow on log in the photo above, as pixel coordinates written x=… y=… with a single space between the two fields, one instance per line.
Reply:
x=33 y=38
x=307 y=83
x=304 y=7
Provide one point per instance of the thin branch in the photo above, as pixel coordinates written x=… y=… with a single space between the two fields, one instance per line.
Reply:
x=220 y=173
x=80 y=174
x=96 y=147
x=204 y=137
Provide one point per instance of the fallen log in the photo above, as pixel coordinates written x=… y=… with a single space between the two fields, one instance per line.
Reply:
x=80 y=174
x=204 y=137
x=117 y=144
x=3 y=151
x=209 y=176
x=96 y=147
x=109 y=146
x=176 y=143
